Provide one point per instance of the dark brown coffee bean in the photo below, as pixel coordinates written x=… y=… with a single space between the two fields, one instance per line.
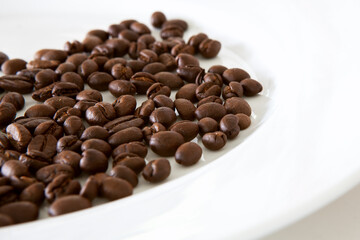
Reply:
x=182 y=48
x=119 y=46
x=14 y=168
x=147 y=39
x=33 y=163
x=99 y=80
x=77 y=59
x=31 y=123
x=158 y=89
x=157 y=170
x=214 y=140
x=173 y=41
x=90 y=189
x=188 y=92
x=5 y=220
x=145 y=109
x=209 y=48
x=244 y=120
x=124 y=105
x=61 y=186
x=195 y=40
x=149 y=131
x=71 y=143
x=115 y=29
x=73 y=77
x=29 y=73
x=234 y=89
x=165 y=143
x=130 y=160
x=157 y=19
x=67 y=204
x=13 y=65
x=87 y=67
x=100 y=60
x=126 y=23
x=138 y=148
x=15 y=83
x=121 y=87
x=40 y=110
x=135 y=48
x=89 y=94
x=140 y=28
x=168 y=60
x=73 y=47
x=44 y=93
x=129 y=35
x=188 y=154
x=42 y=64
x=160 y=48
x=121 y=72
x=211 y=77
x=21 y=211
x=185 y=59
x=213 y=110
x=219 y=69
x=251 y=87
x=148 y=56
x=70 y=158
x=171 y=31
x=154 y=68
x=14 y=98
x=63 y=113
x=67 y=89
x=20 y=183
x=83 y=105
x=58 y=102
x=102 y=50
x=189 y=130
x=136 y=65
x=234 y=74
x=90 y=42
x=112 y=62
x=97 y=144
x=115 y=188
x=171 y=80
x=236 y=105
x=42 y=147
x=95 y=132
x=48 y=173
x=73 y=125
x=124 y=173
x=142 y=81
x=164 y=115
x=214 y=99
x=93 y=161
x=124 y=136
x=103 y=35
x=229 y=125
x=7 y=113
x=178 y=22
x=100 y=114
x=49 y=127
x=18 y=136
x=123 y=122
x=163 y=101
x=207 y=89
x=8 y=194
x=51 y=54
x=3 y=58
x=33 y=193
x=191 y=74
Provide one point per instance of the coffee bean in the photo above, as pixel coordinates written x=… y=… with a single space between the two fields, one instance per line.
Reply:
x=140 y=28
x=168 y=60
x=236 y=105
x=136 y=65
x=15 y=83
x=73 y=47
x=7 y=113
x=234 y=74
x=59 y=102
x=124 y=136
x=214 y=99
x=171 y=80
x=7 y=195
x=160 y=48
x=112 y=62
x=31 y=123
x=49 y=173
x=157 y=170
x=90 y=42
x=42 y=147
x=147 y=39
x=71 y=143
x=185 y=59
x=68 y=204
x=124 y=122
x=229 y=124
x=129 y=35
x=13 y=65
x=121 y=72
x=138 y=148
x=5 y=220
x=214 y=140
x=73 y=77
x=244 y=120
x=44 y=93
x=102 y=50
x=99 y=80
x=182 y=48
x=115 y=29
x=14 y=98
x=100 y=114
x=67 y=89
x=148 y=56
x=124 y=105
x=33 y=193
x=103 y=35
x=188 y=92
x=33 y=163
x=61 y=186
x=164 y=115
x=89 y=94
x=149 y=131
x=207 y=89
x=63 y=113
x=219 y=69
x=83 y=105
x=51 y=54
x=213 y=110
x=189 y=130
x=234 y=89
x=188 y=154
x=165 y=143
x=18 y=136
x=121 y=87
x=251 y=87
x=49 y=127
x=154 y=68
x=14 y=168
x=97 y=144
x=135 y=48
x=99 y=59
x=157 y=19
x=87 y=67
x=29 y=73
x=142 y=81
x=124 y=173
x=195 y=40
x=209 y=48
x=211 y=77
x=178 y=22
x=90 y=189
x=73 y=125
x=4 y=142
x=190 y=73
x=115 y=188
x=70 y=158
x=95 y=132
x=163 y=101
x=3 y=58
x=42 y=64
x=93 y=161
x=21 y=211
x=171 y=31
x=120 y=46
x=158 y=89
x=77 y=59
x=40 y=110
x=130 y=160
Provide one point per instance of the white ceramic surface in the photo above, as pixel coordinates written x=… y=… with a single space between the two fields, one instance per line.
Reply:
x=300 y=153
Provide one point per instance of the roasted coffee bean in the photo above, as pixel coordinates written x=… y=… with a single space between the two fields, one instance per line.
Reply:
x=163 y=101
x=115 y=29
x=73 y=125
x=31 y=123
x=63 y=113
x=160 y=48
x=251 y=87
x=157 y=19
x=171 y=31
x=124 y=105
x=77 y=59
x=21 y=211
x=33 y=193
x=135 y=65
x=191 y=74
x=87 y=67
x=3 y=58
x=51 y=54
x=73 y=77
x=154 y=68
x=61 y=186
x=7 y=113
x=158 y=89
x=213 y=110
x=14 y=168
x=129 y=35
x=40 y=110
x=18 y=136
x=140 y=28
x=89 y=94
x=90 y=42
x=123 y=122
x=189 y=130
x=95 y=132
x=67 y=204
x=178 y=22
x=49 y=127
x=70 y=158
x=135 y=48
x=124 y=173
x=29 y=73
x=188 y=92
x=147 y=39
x=209 y=48
x=164 y=115
x=120 y=46
x=90 y=188
x=211 y=77
x=4 y=142
x=12 y=66
x=112 y=62
x=83 y=105
x=99 y=59
x=219 y=69
x=121 y=87
x=103 y=35
x=126 y=23
x=188 y=154
x=42 y=147
x=67 y=89
x=185 y=59
x=97 y=144
x=149 y=131
x=7 y=194
x=236 y=105
x=100 y=114
x=71 y=143
x=142 y=81
x=14 y=98
x=42 y=64
x=234 y=75
x=73 y=47
x=229 y=125
x=44 y=93
x=148 y=56
x=157 y=170
x=171 y=80
x=102 y=50
x=58 y=102
x=16 y=83
x=130 y=134
x=244 y=120
x=195 y=40
x=33 y=163
x=165 y=143
x=130 y=160
x=207 y=89
x=173 y=41
x=48 y=173
x=182 y=48
x=214 y=140
x=5 y=220
x=138 y=148
x=214 y=99
x=20 y=183
x=121 y=72
x=99 y=80
x=234 y=89
x=93 y=161
x=168 y=60
x=115 y=188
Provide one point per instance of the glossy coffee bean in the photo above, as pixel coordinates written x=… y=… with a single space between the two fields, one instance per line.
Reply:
x=121 y=72
x=44 y=93
x=124 y=173
x=33 y=163
x=164 y=115
x=207 y=125
x=147 y=39
x=251 y=87
x=120 y=46
x=121 y=87
x=214 y=140
x=124 y=136
x=48 y=173
x=49 y=127
x=189 y=130
x=58 y=102
x=124 y=105
x=113 y=188
x=165 y=143
x=7 y=194
x=44 y=78
x=42 y=147
x=163 y=101
x=14 y=98
x=93 y=161
x=234 y=74
x=130 y=160
x=234 y=89
x=63 y=113
x=15 y=83
x=169 y=31
x=7 y=113
x=209 y=48
x=182 y=48
x=73 y=125
x=69 y=158
x=51 y=54
x=76 y=59
x=89 y=94
x=136 y=65
x=219 y=69
x=112 y=62
x=158 y=89
x=33 y=193
x=103 y=35
x=129 y=35
x=188 y=154
x=71 y=143
x=114 y=30
x=65 y=89
x=124 y=122
x=102 y=50
x=95 y=132
x=214 y=99
x=148 y=56
x=68 y=204
x=18 y=136
x=31 y=123
x=229 y=125
x=12 y=66
x=138 y=148
x=14 y=168
x=207 y=89
x=40 y=110
x=244 y=120
x=73 y=78
x=142 y=81
x=87 y=67
x=211 y=77
x=157 y=170
x=135 y=48
x=140 y=28
x=154 y=67
x=168 y=60
x=90 y=188
x=90 y=42
x=188 y=92
x=236 y=105
x=148 y=131
x=83 y=105
x=3 y=58
x=213 y=110
x=190 y=73
x=61 y=186
x=185 y=59
x=21 y=211
x=100 y=114
x=97 y=144
x=195 y=40
x=99 y=80
x=171 y=80
x=73 y=47
x=157 y=19
x=42 y=64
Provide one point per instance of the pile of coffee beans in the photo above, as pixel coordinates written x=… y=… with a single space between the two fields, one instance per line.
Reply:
x=73 y=132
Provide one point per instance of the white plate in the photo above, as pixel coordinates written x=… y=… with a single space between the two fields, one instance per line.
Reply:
x=300 y=152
